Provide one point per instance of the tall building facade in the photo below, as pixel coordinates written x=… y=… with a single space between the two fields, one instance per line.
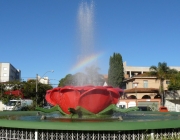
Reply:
x=9 y=73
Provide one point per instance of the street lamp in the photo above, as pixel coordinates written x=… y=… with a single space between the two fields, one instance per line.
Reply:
x=135 y=85
x=37 y=81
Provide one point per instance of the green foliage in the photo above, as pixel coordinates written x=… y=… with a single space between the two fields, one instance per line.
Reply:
x=42 y=88
x=13 y=85
x=174 y=82
x=2 y=89
x=68 y=80
x=5 y=98
x=162 y=72
x=28 y=89
x=116 y=70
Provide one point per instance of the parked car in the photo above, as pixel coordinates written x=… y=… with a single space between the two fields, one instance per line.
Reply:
x=21 y=104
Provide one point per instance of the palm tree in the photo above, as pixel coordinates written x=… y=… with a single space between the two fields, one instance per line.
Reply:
x=162 y=72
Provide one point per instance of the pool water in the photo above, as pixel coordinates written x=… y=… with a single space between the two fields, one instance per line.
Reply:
x=125 y=117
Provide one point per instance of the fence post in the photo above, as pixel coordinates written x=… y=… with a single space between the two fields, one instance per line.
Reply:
x=36 y=135
x=152 y=134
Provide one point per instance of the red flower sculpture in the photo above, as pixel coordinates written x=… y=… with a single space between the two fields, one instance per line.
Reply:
x=91 y=98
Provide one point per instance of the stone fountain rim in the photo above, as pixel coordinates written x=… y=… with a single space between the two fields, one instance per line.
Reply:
x=87 y=126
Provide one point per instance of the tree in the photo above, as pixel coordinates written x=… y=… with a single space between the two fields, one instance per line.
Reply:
x=42 y=88
x=174 y=82
x=2 y=89
x=116 y=70
x=29 y=91
x=5 y=98
x=68 y=80
x=10 y=86
x=162 y=72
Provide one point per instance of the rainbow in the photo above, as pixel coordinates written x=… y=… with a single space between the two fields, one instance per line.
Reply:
x=84 y=62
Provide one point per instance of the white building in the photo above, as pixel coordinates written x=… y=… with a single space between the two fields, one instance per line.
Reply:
x=9 y=73
x=43 y=80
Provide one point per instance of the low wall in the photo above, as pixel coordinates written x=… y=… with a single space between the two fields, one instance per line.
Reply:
x=172 y=106
x=126 y=103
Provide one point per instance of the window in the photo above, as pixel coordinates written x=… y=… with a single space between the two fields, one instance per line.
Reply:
x=167 y=82
x=4 y=68
x=4 y=74
x=145 y=83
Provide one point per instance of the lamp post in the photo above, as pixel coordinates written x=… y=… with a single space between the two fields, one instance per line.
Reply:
x=135 y=85
x=37 y=81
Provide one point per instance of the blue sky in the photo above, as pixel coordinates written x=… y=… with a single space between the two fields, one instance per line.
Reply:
x=41 y=35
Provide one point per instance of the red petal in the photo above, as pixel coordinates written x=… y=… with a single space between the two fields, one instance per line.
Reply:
x=47 y=97
x=114 y=94
x=95 y=100
x=69 y=99
x=55 y=95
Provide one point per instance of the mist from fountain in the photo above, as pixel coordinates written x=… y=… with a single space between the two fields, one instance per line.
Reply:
x=86 y=55
x=86 y=29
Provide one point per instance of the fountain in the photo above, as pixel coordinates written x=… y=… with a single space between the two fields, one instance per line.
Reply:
x=85 y=101
x=94 y=103
x=87 y=112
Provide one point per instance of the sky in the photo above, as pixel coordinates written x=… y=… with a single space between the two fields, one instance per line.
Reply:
x=37 y=36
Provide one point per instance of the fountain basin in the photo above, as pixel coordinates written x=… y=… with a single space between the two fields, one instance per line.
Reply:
x=106 y=130
x=92 y=124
